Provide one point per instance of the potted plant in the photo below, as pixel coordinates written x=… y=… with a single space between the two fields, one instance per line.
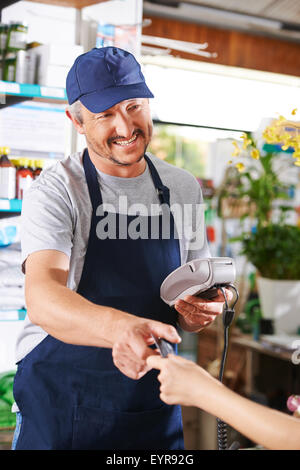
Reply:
x=272 y=244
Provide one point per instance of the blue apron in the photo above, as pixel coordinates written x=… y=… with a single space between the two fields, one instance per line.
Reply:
x=74 y=397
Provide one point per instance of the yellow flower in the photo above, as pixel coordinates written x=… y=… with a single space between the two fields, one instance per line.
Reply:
x=240 y=167
x=229 y=162
x=294 y=112
x=246 y=142
x=255 y=154
x=237 y=149
x=297 y=163
x=271 y=135
x=296 y=154
x=280 y=120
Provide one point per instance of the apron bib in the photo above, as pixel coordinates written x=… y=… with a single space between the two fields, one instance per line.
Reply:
x=74 y=397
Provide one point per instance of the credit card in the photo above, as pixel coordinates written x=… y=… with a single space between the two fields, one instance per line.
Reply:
x=164 y=346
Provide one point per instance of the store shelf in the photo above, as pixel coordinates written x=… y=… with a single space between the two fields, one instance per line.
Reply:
x=13 y=315
x=10 y=205
x=12 y=92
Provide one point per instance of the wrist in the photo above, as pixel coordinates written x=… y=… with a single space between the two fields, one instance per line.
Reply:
x=120 y=322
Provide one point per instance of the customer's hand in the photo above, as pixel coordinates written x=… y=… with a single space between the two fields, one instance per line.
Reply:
x=183 y=382
x=196 y=313
x=131 y=346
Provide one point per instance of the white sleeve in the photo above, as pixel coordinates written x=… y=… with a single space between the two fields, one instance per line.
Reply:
x=198 y=246
x=47 y=221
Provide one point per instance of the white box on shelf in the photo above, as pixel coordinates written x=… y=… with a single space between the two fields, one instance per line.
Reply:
x=54 y=62
x=53 y=76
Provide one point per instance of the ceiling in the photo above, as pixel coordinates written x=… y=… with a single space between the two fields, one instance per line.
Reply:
x=273 y=18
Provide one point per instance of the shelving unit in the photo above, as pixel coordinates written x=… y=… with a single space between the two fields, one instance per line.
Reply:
x=12 y=93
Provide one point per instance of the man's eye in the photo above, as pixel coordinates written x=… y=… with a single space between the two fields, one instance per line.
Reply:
x=134 y=107
x=103 y=116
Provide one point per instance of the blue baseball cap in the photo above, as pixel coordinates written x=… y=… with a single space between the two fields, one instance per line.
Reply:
x=103 y=77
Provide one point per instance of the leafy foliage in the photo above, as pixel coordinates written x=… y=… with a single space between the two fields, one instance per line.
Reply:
x=263 y=187
x=275 y=251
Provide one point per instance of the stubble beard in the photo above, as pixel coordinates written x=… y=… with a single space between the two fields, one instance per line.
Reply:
x=110 y=156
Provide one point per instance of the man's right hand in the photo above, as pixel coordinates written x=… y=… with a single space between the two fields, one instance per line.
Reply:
x=131 y=347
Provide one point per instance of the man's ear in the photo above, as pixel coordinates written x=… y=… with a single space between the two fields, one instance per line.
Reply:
x=78 y=126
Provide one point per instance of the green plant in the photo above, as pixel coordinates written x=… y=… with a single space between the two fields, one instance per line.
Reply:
x=262 y=185
x=274 y=250
x=7 y=418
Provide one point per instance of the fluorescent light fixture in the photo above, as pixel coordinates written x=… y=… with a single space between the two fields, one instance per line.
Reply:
x=148 y=50
x=184 y=46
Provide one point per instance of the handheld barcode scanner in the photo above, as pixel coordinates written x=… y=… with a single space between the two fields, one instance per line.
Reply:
x=203 y=278
x=196 y=277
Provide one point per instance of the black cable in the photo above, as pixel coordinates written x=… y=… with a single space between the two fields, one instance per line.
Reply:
x=228 y=316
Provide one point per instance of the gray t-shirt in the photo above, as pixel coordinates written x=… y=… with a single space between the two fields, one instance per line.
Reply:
x=56 y=215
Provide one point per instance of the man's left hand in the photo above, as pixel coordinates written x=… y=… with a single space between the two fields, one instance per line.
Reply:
x=196 y=313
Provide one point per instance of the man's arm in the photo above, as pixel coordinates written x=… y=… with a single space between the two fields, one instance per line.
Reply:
x=71 y=318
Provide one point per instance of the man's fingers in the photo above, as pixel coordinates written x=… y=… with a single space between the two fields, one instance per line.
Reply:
x=185 y=308
x=196 y=307
x=167 y=332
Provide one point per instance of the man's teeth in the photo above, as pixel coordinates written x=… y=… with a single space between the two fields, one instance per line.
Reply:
x=125 y=142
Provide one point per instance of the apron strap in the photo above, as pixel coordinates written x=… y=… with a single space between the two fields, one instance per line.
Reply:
x=162 y=191
x=92 y=181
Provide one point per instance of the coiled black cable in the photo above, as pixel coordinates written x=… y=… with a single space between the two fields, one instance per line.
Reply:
x=221 y=434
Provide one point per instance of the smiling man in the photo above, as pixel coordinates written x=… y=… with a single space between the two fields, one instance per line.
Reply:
x=94 y=302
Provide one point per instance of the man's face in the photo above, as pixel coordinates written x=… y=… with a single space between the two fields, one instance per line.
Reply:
x=120 y=134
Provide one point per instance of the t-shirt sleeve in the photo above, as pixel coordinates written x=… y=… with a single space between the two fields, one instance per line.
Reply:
x=46 y=222
x=197 y=246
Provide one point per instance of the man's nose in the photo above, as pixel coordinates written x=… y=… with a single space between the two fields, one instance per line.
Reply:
x=123 y=126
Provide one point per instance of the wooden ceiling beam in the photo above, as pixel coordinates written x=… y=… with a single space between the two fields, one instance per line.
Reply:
x=234 y=48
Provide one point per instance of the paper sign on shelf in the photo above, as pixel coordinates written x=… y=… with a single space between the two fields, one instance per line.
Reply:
x=4 y=204
x=9 y=87
x=34 y=127
x=53 y=92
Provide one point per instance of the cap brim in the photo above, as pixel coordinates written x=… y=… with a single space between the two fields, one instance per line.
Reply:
x=97 y=102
